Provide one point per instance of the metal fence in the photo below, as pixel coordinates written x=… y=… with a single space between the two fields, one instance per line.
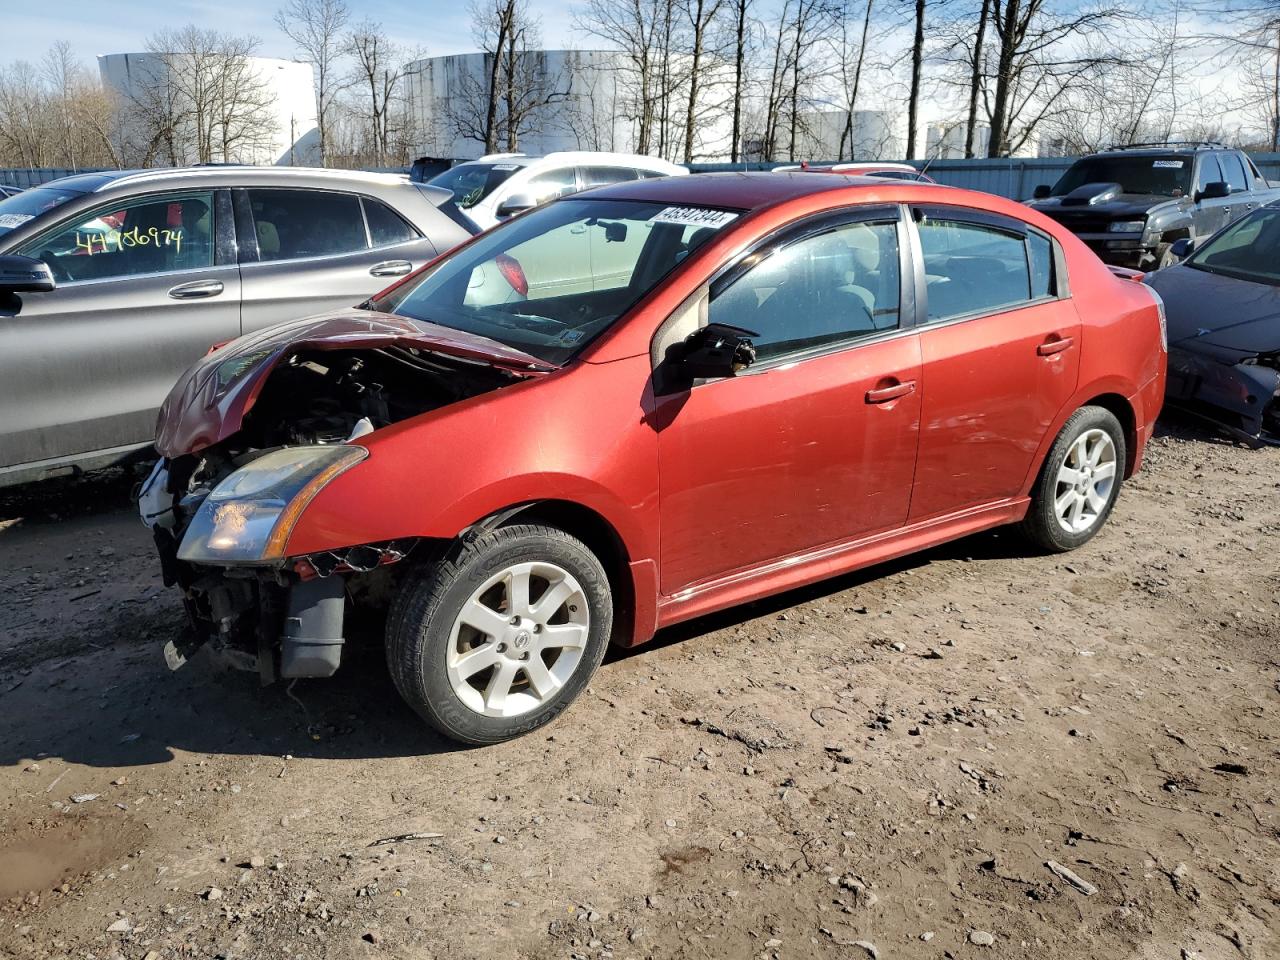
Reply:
x=32 y=177
x=1014 y=178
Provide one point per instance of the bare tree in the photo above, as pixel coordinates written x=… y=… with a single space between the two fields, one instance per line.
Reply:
x=377 y=71
x=635 y=27
x=1035 y=64
x=701 y=16
x=315 y=27
x=975 y=75
x=917 y=64
x=851 y=58
x=197 y=97
x=740 y=11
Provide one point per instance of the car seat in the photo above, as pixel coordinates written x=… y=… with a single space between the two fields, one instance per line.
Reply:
x=268 y=239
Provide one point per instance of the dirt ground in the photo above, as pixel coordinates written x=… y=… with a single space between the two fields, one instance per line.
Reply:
x=881 y=766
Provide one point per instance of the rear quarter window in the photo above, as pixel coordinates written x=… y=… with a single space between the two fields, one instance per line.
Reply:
x=385 y=225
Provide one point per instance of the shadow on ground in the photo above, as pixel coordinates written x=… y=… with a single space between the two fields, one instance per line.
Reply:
x=113 y=703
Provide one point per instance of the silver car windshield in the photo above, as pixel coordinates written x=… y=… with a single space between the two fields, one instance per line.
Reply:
x=1249 y=249
x=23 y=207
x=551 y=280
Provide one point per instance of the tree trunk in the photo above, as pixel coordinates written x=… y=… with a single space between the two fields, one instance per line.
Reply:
x=975 y=79
x=1004 y=80
x=857 y=82
x=691 y=111
x=513 y=119
x=917 y=60
x=739 y=58
x=1275 y=102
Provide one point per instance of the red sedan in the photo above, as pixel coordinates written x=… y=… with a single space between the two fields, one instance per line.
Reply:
x=629 y=408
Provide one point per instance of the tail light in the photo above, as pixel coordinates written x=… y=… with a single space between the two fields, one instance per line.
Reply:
x=513 y=273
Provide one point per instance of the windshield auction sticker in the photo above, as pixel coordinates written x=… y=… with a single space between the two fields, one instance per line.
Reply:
x=1167 y=164
x=695 y=217
x=15 y=219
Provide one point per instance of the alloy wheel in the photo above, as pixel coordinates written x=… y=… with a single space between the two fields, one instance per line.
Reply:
x=1086 y=481
x=518 y=639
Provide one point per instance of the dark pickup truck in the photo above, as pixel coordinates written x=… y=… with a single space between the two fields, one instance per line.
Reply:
x=1131 y=204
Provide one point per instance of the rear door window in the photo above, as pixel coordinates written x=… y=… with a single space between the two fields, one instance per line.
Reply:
x=1040 y=254
x=298 y=224
x=972 y=268
x=1209 y=173
x=157 y=234
x=602 y=176
x=1233 y=171
x=385 y=225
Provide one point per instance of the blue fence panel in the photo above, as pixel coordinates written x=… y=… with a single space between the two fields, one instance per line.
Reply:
x=34 y=176
x=1015 y=178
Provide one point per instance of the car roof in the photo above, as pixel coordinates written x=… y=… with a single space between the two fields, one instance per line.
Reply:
x=734 y=190
x=223 y=175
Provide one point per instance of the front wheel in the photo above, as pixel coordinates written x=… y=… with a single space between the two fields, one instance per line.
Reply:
x=499 y=636
x=1079 y=483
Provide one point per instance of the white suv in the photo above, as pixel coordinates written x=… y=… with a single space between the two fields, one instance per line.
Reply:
x=500 y=185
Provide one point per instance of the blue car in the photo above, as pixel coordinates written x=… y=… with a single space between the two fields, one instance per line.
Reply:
x=1223 y=307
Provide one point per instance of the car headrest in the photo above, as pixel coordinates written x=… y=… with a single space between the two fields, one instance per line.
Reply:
x=268 y=237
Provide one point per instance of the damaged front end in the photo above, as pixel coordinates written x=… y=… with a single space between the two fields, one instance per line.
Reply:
x=1240 y=395
x=249 y=436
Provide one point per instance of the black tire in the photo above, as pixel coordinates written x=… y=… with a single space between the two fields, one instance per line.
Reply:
x=1041 y=524
x=420 y=625
x=1164 y=256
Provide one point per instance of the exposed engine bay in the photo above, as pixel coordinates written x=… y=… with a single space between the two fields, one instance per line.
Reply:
x=313 y=397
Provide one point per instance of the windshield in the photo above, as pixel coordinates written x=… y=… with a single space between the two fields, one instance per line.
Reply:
x=1249 y=249
x=21 y=207
x=1163 y=176
x=549 y=281
x=472 y=182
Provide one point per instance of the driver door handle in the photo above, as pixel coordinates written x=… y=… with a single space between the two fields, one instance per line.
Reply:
x=390 y=268
x=1051 y=347
x=893 y=392
x=196 y=290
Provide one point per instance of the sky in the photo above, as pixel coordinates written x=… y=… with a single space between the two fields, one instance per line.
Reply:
x=93 y=27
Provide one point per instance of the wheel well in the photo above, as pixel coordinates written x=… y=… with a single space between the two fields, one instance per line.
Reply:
x=1123 y=412
x=1179 y=233
x=600 y=538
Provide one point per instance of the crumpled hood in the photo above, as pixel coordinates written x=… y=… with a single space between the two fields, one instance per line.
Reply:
x=1208 y=312
x=210 y=400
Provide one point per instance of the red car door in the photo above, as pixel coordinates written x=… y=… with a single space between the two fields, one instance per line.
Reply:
x=816 y=442
x=1001 y=354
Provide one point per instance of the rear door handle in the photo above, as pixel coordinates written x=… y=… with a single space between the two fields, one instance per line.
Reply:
x=893 y=392
x=390 y=268
x=1051 y=347
x=196 y=290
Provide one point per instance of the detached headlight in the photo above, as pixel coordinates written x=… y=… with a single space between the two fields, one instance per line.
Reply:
x=248 y=517
x=1127 y=226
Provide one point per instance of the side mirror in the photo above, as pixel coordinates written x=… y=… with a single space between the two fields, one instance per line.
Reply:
x=1041 y=192
x=25 y=275
x=1183 y=248
x=716 y=351
x=1214 y=190
x=516 y=203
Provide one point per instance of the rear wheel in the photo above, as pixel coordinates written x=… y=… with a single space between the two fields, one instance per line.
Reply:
x=1080 y=481
x=499 y=636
